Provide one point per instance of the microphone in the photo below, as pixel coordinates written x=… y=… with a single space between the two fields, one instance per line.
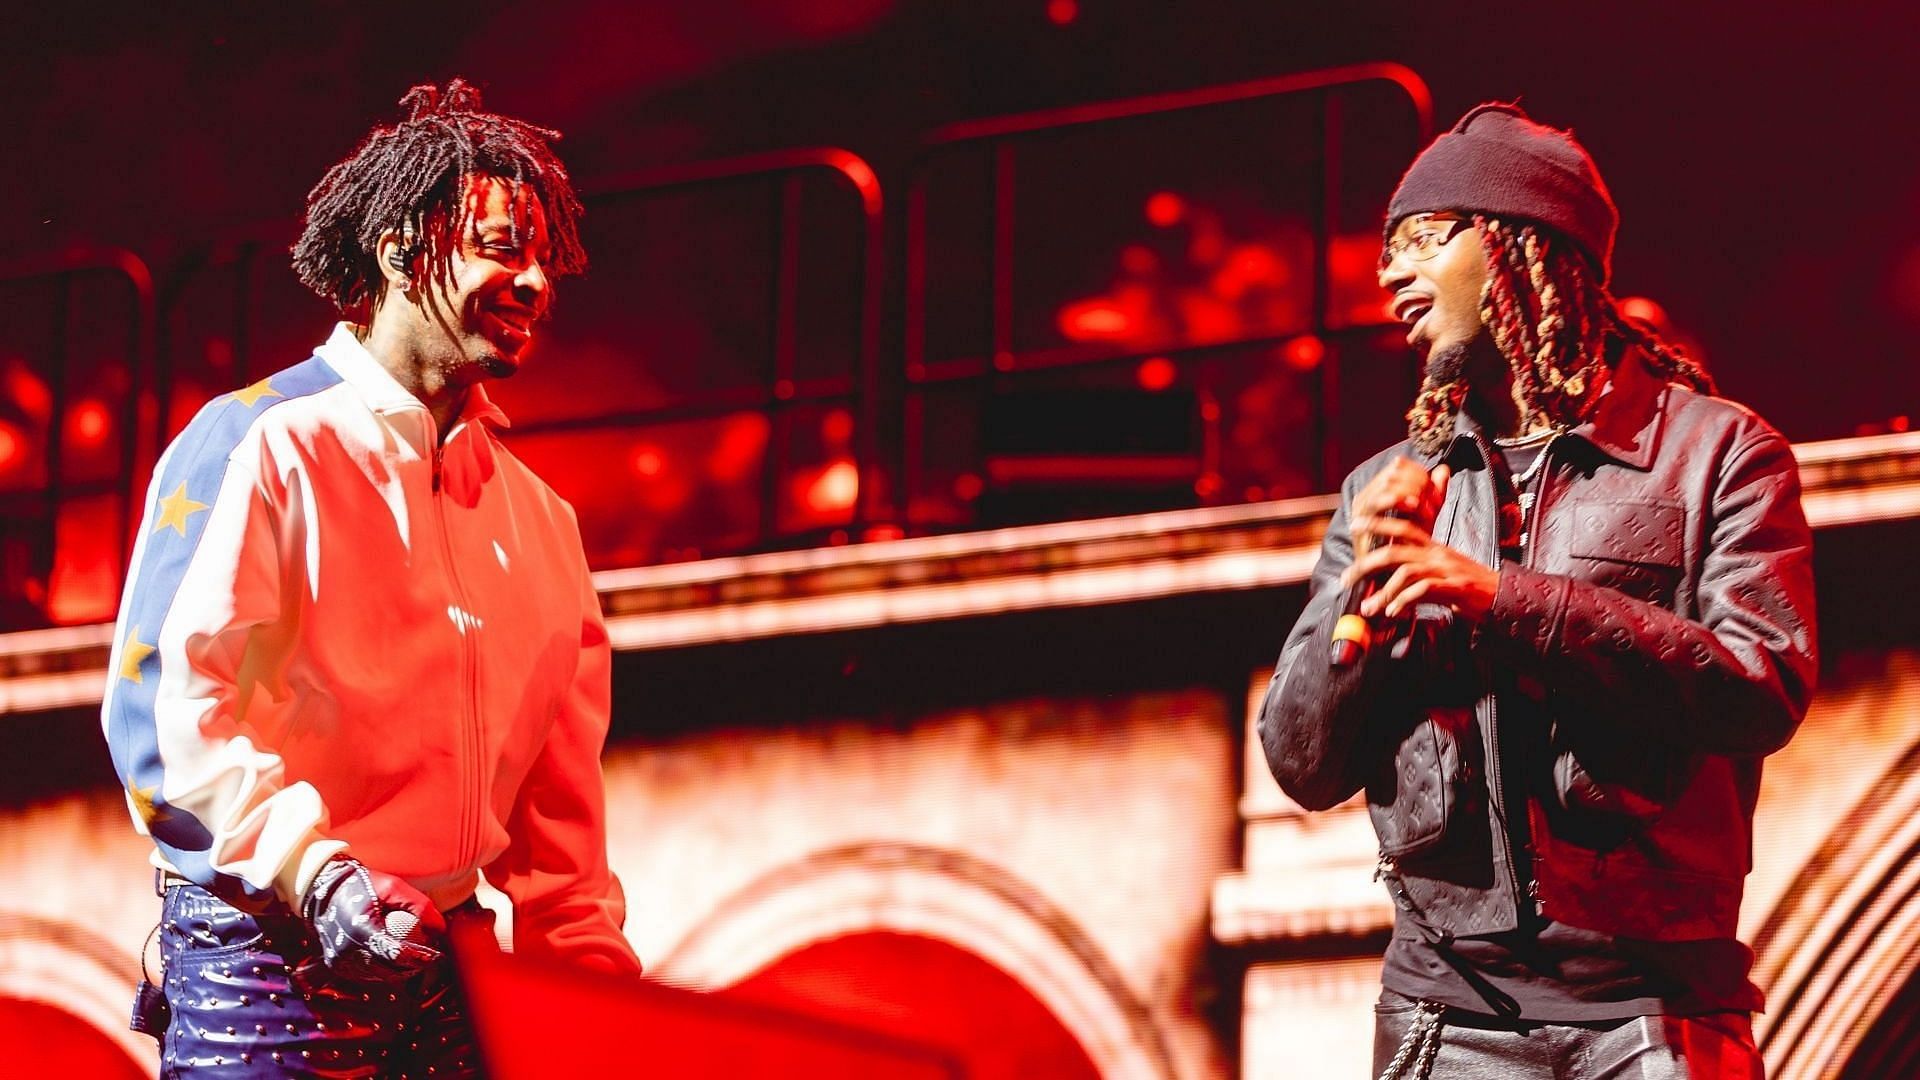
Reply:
x=1352 y=631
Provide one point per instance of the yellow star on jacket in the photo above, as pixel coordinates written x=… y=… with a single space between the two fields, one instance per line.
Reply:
x=141 y=799
x=176 y=508
x=251 y=395
x=131 y=655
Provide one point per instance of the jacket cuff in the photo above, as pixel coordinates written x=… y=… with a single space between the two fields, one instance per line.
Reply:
x=297 y=877
x=1528 y=609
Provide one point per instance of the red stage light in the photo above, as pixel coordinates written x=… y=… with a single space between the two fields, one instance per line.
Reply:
x=89 y=421
x=1639 y=307
x=29 y=392
x=649 y=461
x=835 y=489
x=12 y=446
x=1165 y=209
x=739 y=448
x=1304 y=353
x=1062 y=12
x=1090 y=319
x=1155 y=373
x=968 y=486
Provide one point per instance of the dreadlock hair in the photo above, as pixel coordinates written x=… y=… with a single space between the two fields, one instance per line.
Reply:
x=412 y=179
x=1552 y=320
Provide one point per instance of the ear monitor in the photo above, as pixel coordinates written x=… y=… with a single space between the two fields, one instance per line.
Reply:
x=401 y=259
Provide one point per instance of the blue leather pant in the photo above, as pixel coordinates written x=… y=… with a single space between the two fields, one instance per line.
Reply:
x=1716 y=1046
x=250 y=997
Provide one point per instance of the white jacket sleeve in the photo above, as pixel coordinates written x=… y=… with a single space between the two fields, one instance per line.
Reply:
x=206 y=573
x=567 y=903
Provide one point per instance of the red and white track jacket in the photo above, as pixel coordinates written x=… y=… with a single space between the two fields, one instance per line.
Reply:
x=337 y=637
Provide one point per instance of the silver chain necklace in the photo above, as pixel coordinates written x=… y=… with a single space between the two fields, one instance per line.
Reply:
x=1522 y=484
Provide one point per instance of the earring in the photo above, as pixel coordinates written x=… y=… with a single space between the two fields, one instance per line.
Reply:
x=401 y=259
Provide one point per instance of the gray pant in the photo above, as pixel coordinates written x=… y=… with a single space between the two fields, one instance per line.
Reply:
x=1718 y=1046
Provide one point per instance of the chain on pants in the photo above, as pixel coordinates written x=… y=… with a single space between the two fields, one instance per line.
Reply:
x=1716 y=1046
x=250 y=997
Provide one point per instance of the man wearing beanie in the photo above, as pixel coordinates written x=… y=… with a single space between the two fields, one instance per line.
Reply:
x=1588 y=586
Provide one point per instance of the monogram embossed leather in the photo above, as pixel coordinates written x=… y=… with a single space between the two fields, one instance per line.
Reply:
x=1665 y=616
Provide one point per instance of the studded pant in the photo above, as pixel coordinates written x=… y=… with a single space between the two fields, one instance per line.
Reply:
x=250 y=997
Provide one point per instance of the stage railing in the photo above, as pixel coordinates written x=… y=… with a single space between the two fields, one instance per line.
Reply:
x=1179 y=281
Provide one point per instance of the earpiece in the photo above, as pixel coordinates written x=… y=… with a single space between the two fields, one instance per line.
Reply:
x=401 y=259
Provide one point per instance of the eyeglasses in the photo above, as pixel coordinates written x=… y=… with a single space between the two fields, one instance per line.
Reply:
x=1429 y=233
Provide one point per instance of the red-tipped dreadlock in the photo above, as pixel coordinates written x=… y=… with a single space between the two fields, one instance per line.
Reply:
x=403 y=177
x=1552 y=320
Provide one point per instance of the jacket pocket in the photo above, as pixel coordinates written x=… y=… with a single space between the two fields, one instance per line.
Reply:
x=1412 y=806
x=1633 y=546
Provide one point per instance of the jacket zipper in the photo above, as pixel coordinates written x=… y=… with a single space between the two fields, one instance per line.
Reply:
x=1496 y=784
x=1530 y=515
x=470 y=669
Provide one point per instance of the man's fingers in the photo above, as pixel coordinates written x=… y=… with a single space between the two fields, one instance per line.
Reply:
x=1398 y=530
x=1388 y=590
x=1440 y=475
x=1378 y=561
x=1409 y=596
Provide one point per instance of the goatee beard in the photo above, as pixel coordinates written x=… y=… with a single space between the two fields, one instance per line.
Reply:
x=1447 y=364
x=1443 y=388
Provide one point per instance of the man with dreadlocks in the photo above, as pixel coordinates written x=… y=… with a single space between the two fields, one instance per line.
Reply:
x=1595 y=580
x=359 y=662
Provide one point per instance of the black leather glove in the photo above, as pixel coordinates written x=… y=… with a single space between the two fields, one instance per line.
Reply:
x=371 y=926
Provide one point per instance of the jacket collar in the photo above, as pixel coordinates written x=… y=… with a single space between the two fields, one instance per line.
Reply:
x=1626 y=423
x=383 y=393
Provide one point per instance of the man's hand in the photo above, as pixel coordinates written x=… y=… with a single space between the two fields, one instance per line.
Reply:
x=1403 y=547
x=1402 y=489
x=1421 y=570
x=372 y=927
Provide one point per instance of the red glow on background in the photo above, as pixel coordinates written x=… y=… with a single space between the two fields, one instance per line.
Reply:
x=1165 y=209
x=89 y=422
x=834 y=489
x=28 y=391
x=85 y=584
x=1062 y=12
x=1138 y=259
x=968 y=486
x=1155 y=373
x=1639 y=307
x=1248 y=267
x=1092 y=320
x=649 y=461
x=837 y=426
x=1304 y=353
x=11 y=446
x=1354 y=295
x=736 y=454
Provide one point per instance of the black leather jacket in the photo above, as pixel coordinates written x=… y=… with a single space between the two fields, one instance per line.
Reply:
x=1658 y=639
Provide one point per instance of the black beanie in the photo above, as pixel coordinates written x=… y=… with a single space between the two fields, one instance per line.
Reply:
x=1497 y=161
